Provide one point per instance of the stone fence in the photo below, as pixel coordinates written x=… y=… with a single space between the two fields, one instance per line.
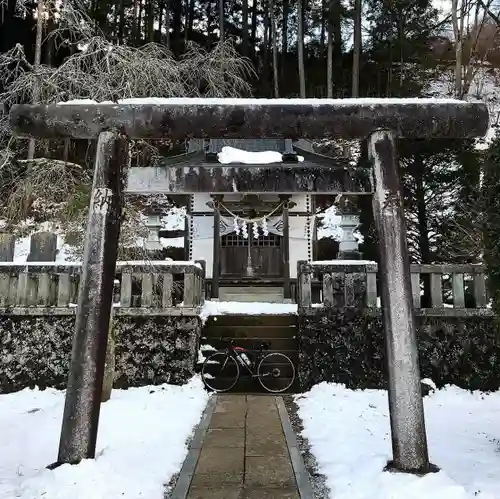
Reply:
x=451 y=288
x=42 y=286
x=141 y=288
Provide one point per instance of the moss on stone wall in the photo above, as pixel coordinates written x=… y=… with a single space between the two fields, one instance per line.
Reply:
x=35 y=351
x=348 y=347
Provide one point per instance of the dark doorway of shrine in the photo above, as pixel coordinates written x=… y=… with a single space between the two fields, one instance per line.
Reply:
x=246 y=255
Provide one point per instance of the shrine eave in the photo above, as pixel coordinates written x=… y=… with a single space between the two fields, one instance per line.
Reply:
x=276 y=178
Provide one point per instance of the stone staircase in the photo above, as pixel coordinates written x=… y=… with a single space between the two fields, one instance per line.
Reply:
x=265 y=294
x=279 y=330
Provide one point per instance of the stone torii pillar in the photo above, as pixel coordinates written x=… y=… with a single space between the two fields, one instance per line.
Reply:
x=382 y=121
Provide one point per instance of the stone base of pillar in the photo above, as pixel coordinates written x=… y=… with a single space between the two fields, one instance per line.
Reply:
x=349 y=255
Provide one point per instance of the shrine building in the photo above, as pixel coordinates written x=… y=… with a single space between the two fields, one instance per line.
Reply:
x=251 y=209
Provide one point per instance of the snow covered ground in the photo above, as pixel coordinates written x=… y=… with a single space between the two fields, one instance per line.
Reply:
x=141 y=443
x=349 y=434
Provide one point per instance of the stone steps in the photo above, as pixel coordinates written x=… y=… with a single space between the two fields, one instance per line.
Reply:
x=252 y=294
x=247 y=330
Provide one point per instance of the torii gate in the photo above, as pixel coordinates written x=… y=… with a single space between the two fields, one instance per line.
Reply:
x=381 y=121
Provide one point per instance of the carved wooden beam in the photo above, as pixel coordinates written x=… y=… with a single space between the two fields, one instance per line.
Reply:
x=179 y=119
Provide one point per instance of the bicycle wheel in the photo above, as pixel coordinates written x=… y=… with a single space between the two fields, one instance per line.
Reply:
x=220 y=372
x=276 y=372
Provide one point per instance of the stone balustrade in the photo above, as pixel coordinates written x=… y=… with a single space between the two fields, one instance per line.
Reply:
x=451 y=288
x=141 y=288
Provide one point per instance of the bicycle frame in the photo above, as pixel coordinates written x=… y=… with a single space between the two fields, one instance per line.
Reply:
x=235 y=352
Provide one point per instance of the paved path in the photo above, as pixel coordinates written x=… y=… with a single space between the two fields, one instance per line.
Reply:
x=244 y=448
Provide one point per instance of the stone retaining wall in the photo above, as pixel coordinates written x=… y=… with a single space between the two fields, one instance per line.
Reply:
x=347 y=346
x=35 y=351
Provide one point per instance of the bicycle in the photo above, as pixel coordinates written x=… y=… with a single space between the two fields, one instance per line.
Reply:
x=268 y=368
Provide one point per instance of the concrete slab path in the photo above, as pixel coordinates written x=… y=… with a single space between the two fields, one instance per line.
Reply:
x=244 y=448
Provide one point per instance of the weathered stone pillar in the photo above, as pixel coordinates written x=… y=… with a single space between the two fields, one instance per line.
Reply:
x=409 y=442
x=83 y=395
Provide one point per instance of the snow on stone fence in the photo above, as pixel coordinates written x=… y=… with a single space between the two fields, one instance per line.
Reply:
x=141 y=287
x=338 y=284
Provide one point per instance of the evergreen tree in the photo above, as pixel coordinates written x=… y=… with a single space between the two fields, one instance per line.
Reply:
x=399 y=35
x=491 y=221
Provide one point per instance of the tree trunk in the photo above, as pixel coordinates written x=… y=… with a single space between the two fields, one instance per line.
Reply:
x=191 y=18
x=151 y=31
x=134 y=29
x=265 y=57
x=275 y=49
x=329 y=55
x=176 y=27
x=121 y=25
x=284 y=41
x=244 y=29
x=356 y=48
x=324 y=19
x=336 y=14
x=458 y=47
x=49 y=41
x=139 y=25
x=167 y=24
x=300 y=48
x=36 y=64
x=161 y=10
x=254 y=29
x=221 y=19
x=186 y=23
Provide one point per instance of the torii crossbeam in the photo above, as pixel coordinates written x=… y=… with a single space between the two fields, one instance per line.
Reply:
x=381 y=121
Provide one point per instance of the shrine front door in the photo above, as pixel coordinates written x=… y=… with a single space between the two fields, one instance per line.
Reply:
x=251 y=256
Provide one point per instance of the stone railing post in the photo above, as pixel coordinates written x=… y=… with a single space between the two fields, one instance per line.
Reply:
x=7 y=248
x=202 y=290
x=304 y=274
x=189 y=288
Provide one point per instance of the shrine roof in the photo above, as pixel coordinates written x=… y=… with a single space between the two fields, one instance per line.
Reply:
x=298 y=151
x=251 y=145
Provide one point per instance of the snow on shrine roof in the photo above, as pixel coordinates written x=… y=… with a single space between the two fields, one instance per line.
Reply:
x=182 y=101
x=229 y=155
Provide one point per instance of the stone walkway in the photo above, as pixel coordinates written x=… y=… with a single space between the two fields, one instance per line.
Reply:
x=244 y=448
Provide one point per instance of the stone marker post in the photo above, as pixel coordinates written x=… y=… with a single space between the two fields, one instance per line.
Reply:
x=43 y=247
x=7 y=247
x=409 y=442
x=83 y=396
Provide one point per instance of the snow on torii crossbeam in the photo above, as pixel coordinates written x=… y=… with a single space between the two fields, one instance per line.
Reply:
x=380 y=121
x=181 y=118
